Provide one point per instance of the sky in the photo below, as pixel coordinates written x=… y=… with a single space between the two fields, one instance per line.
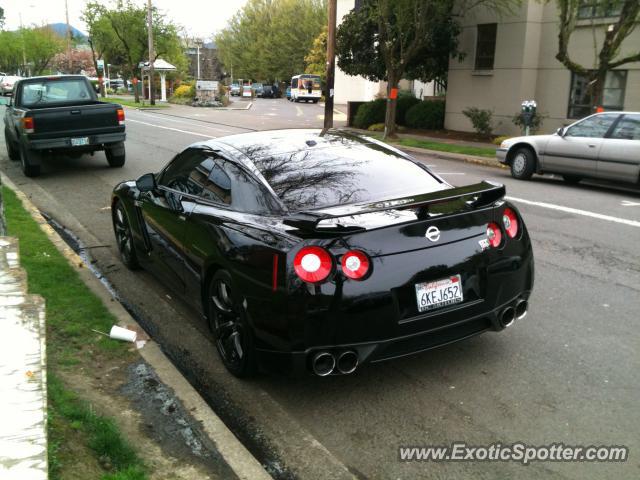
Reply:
x=200 y=17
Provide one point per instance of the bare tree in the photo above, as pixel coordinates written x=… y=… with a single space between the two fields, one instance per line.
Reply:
x=609 y=55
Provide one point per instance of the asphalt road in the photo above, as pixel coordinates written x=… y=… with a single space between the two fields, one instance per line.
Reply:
x=567 y=373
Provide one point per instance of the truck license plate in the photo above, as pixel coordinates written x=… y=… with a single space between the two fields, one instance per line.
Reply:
x=78 y=142
x=431 y=295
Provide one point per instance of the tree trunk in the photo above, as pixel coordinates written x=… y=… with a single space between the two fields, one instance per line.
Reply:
x=390 y=114
x=597 y=87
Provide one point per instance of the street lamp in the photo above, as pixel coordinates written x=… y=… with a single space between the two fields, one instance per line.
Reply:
x=198 y=45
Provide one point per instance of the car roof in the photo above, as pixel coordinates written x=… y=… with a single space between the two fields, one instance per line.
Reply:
x=55 y=77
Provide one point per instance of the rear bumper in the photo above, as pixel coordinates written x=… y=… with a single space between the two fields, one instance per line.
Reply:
x=299 y=362
x=96 y=142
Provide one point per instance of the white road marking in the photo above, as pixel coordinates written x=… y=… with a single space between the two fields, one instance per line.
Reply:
x=170 y=128
x=627 y=203
x=576 y=211
x=194 y=124
x=299 y=111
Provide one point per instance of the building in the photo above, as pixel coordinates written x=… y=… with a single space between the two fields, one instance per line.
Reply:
x=207 y=54
x=512 y=58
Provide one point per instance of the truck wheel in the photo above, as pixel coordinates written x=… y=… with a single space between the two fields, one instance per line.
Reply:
x=523 y=164
x=115 y=155
x=11 y=146
x=29 y=161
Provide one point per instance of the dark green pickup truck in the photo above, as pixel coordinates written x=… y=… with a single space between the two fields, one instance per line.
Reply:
x=61 y=114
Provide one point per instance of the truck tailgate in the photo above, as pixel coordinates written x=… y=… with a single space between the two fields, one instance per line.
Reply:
x=76 y=120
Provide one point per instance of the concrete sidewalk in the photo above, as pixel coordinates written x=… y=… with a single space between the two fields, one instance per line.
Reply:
x=23 y=388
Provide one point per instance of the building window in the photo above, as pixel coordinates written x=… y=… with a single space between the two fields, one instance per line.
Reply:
x=580 y=98
x=599 y=8
x=486 y=46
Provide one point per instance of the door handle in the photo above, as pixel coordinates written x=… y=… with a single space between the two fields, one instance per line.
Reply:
x=592 y=145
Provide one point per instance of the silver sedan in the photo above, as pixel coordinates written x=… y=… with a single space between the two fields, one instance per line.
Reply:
x=605 y=145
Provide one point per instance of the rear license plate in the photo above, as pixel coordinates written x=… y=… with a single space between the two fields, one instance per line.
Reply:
x=78 y=142
x=432 y=295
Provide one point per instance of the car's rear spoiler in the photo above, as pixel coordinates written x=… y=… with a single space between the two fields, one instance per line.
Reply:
x=479 y=194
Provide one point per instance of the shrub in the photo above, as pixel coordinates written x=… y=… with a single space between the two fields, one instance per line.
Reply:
x=185 y=91
x=406 y=100
x=370 y=113
x=480 y=119
x=499 y=140
x=428 y=114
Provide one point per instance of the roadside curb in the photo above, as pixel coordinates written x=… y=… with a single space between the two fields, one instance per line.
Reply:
x=239 y=459
x=460 y=157
x=488 y=162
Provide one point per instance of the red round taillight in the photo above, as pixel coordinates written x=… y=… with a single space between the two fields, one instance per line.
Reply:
x=494 y=234
x=510 y=221
x=313 y=264
x=355 y=264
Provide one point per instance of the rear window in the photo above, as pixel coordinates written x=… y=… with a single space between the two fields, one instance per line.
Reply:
x=321 y=177
x=55 y=91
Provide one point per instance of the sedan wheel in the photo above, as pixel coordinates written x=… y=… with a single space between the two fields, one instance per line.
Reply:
x=230 y=329
x=523 y=164
x=124 y=238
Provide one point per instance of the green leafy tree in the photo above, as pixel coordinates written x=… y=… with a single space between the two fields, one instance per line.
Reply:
x=268 y=39
x=394 y=39
x=316 y=59
x=41 y=45
x=10 y=51
x=610 y=54
x=120 y=34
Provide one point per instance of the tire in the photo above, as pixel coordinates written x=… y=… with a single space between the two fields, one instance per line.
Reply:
x=28 y=161
x=571 y=179
x=116 y=155
x=228 y=322
x=124 y=237
x=315 y=101
x=14 y=154
x=523 y=164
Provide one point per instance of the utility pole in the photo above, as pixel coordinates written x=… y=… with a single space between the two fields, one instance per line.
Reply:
x=198 y=59
x=24 y=52
x=70 y=63
x=152 y=93
x=331 y=65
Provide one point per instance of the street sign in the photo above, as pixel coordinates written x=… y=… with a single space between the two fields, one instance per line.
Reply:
x=100 y=63
x=210 y=85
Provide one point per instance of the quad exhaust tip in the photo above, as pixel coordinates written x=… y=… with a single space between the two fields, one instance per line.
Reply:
x=521 y=309
x=507 y=316
x=323 y=363
x=347 y=362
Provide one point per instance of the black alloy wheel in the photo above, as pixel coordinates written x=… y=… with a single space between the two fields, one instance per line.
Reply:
x=227 y=319
x=124 y=238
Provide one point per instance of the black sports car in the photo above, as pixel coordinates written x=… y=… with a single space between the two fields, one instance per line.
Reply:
x=322 y=250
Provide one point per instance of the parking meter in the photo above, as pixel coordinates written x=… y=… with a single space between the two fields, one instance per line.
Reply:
x=527 y=113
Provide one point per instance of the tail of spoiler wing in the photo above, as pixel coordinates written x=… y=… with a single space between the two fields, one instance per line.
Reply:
x=473 y=196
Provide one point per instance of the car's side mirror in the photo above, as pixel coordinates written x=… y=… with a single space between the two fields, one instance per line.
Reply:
x=146 y=183
x=560 y=132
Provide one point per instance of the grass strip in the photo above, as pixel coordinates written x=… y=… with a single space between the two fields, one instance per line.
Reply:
x=441 y=146
x=72 y=311
x=131 y=103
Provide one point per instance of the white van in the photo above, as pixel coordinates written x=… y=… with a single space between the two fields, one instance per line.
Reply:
x=305 y=87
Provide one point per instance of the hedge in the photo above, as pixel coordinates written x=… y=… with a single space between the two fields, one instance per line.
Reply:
x=428 y=115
